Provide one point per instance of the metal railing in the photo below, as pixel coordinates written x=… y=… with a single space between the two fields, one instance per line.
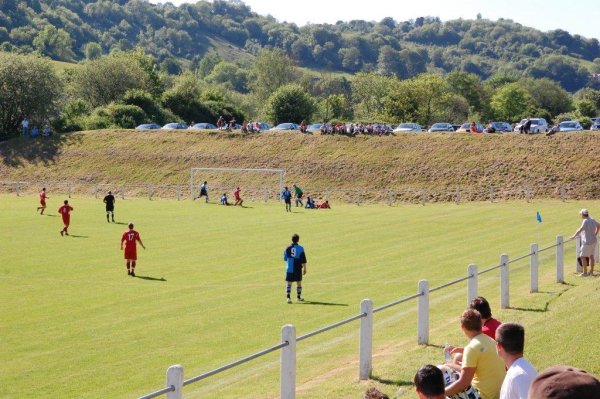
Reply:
x=287 y=346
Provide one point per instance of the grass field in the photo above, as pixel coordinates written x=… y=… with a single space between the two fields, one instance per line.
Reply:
x=210 y=290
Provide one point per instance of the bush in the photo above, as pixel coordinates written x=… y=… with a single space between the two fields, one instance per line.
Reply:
x=154 y=111
x=115 y=116
x=290 y=103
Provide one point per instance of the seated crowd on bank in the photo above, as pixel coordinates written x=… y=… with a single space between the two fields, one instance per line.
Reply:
x=492 y=366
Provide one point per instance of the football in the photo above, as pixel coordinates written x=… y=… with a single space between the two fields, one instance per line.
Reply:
x=451 y=375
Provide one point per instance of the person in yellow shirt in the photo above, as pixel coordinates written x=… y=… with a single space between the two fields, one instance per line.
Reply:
x=481 y=366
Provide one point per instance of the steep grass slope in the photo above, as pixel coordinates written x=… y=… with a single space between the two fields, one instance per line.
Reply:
x=374 y=164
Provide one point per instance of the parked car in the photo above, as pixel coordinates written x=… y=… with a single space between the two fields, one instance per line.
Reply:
x=314 y=128
x=466 y=127
x=570 y=126
x=408 y=127
x=174 y=125
x=441 y=127
x=595 y=124
x=538 y=125
x=147 y=126
x=285 y=126
x=499 y=127
x=204 y=125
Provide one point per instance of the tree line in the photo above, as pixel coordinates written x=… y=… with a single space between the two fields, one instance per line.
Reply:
x=127 y=88
x=179 y=37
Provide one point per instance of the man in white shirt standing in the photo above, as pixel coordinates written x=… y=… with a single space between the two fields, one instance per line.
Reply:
x=510 y=342
x=587 y=231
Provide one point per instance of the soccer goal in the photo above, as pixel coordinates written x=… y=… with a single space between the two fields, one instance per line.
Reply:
x=256 y=183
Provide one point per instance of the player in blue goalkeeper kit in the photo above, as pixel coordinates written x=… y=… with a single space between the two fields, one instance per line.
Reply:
x=286 y=195
x=295 y=259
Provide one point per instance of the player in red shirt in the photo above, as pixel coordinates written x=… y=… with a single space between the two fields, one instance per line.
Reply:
x=130 y=238
x=238 y=199
x=65 y=211
x=43 y=198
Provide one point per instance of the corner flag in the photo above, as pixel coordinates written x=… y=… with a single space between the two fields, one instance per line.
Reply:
x=538 y=217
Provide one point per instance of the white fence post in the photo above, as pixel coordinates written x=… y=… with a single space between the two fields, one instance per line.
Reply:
x=288 y=362
x=18 y=188
x=504 y=292
x=560 y=250
x=175 y=379
x=96 y=192
x=366 y=340
x=423 y=314
x=69 y=189
x=150 y=192
x=178 y=193
x=533 y=262
x=471 y=283
x=122 y=192
x=578 y=267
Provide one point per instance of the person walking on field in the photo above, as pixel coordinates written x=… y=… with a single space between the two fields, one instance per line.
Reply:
x=588 y=232
x=286 y=195
x=130 y=238
x=295 y=259
x=43 y=198
x=109 y=200
x=65 y=211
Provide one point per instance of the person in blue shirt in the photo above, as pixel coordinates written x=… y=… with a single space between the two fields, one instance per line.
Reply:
x=286 y=195
x=295 y=259
x=310 y=203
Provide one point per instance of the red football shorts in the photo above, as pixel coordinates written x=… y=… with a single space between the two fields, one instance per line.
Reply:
x=130 y=253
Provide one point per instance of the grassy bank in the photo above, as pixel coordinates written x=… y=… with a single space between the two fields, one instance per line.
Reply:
x=373 y=164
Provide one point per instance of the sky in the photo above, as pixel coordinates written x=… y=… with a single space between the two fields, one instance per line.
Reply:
x=575 y=16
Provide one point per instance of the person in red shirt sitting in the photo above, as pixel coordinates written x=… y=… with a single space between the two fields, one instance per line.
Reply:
x=130 y=238
x=474 y=128
x=65 y=211
x=43 y=198
x=238 y=199
x=324 y=205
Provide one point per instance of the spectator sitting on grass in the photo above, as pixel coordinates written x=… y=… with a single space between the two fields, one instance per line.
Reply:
x=429 y=383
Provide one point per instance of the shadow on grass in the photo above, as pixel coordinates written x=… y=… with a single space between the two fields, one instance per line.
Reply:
x=150 y=278
x=321 y=303
x=543 y=309
x=51 y=215
x=398 y=383
x=76 y=236
x=121 y=223
x=44 y=150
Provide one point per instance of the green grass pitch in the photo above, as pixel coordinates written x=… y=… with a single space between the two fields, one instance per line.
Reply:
x=209 y=290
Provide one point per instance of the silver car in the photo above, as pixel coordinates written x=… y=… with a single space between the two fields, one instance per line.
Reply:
x=570 y=126
x=408 y=127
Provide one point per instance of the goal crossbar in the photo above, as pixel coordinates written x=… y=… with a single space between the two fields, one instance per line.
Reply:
x=280 y=172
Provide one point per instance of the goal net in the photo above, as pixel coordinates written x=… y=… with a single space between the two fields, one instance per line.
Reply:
x=256 y=184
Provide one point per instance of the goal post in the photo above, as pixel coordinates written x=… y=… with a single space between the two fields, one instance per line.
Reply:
x=212 y=173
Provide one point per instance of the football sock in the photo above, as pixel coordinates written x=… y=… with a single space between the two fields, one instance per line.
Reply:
x=299 y=291
x=288 y=290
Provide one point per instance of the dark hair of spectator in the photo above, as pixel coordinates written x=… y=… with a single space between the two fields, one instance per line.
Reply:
x=430 y=380
x=482 y=306
x=471 y=320
x=512 y=338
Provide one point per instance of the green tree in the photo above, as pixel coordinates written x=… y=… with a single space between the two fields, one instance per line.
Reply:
x=230 y=75
x=548 y=95
x=271 y=70
x=290 y=103
x=368 y=92
x=430 y=92
x=92 y=51
x=55 y=43
x=29 y=88
x=586 y=108
x=511 y=102
x=183 y=99
x=207 y=64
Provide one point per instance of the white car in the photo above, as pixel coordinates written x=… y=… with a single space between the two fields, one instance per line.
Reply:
x=570 y=126
x=538 y=125
x=408 y=127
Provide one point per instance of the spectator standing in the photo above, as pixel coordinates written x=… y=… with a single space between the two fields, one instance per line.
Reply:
x=510 y=344
x=220 y=122
x=25 y=127
x=429 y=383
x=588 y=232
x=295 y=259
x=481 y=366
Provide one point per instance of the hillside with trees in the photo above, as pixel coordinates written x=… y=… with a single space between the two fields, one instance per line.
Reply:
x=134 y=62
